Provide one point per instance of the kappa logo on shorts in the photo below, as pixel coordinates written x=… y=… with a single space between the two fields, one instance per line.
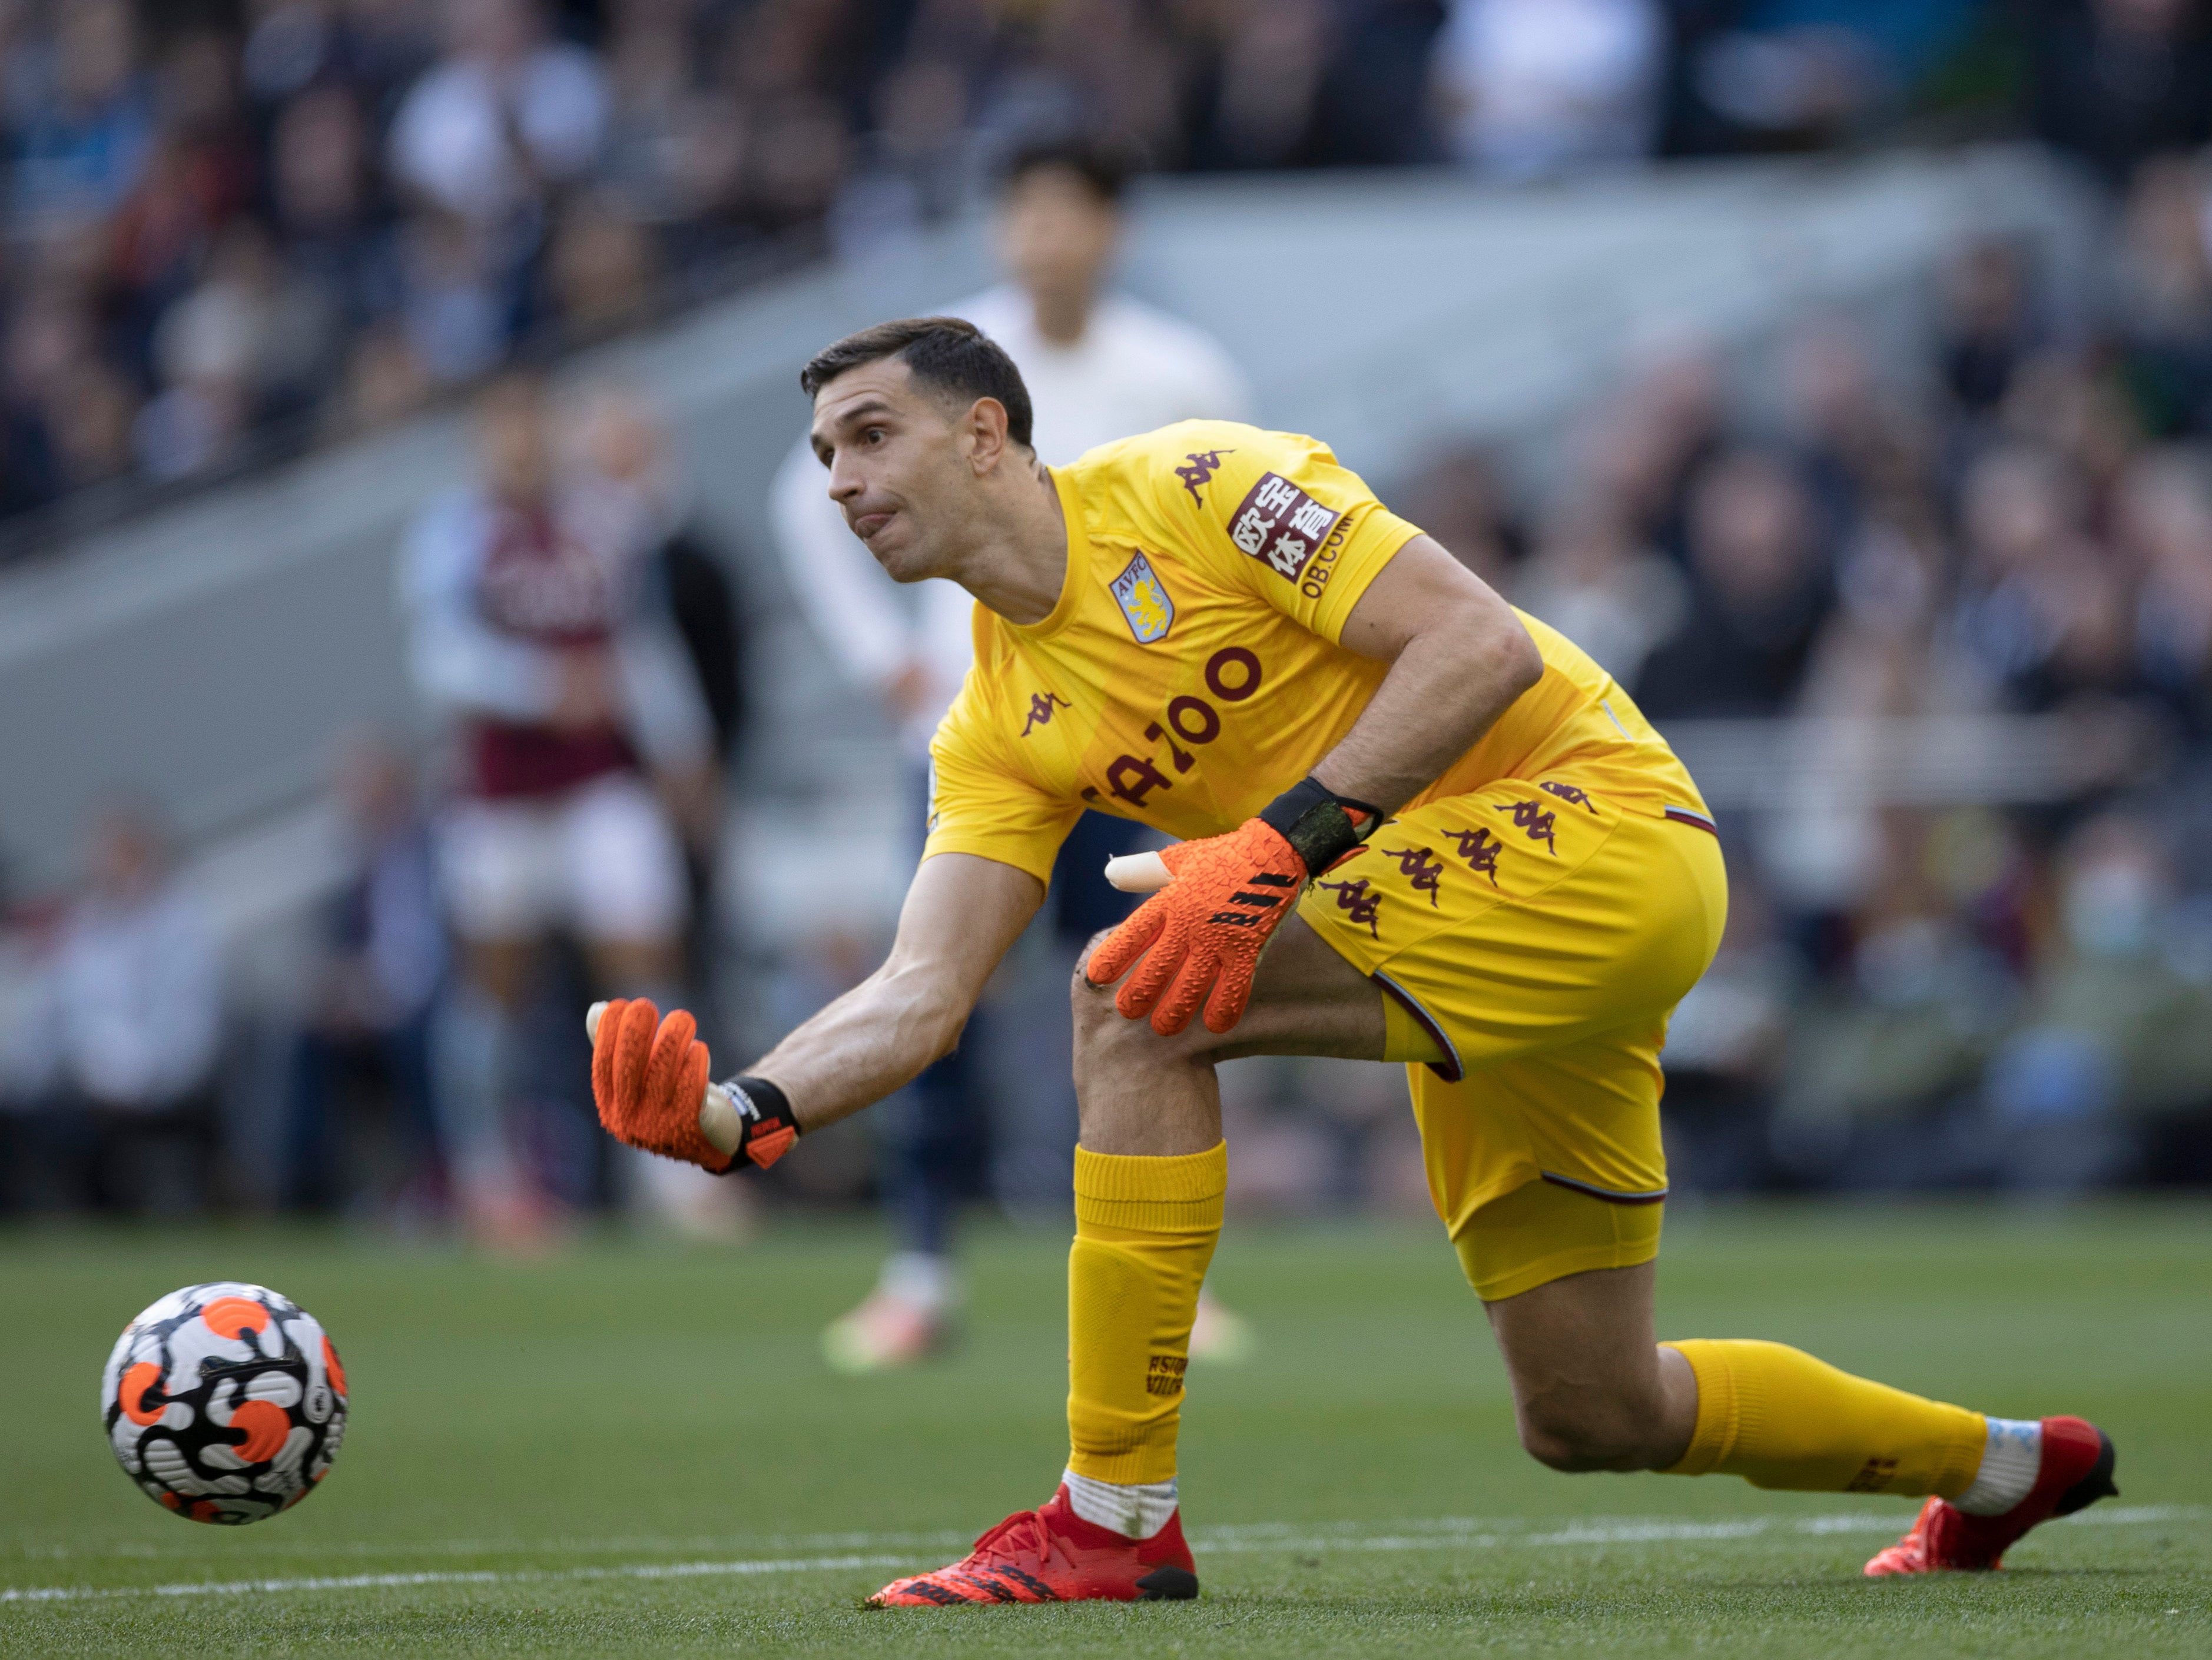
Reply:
x=1281 y=525
x=1479 y=849
x=1421 y=865
x=1143 y=600
x=1532 y=817
x=1357 y=903
x=1573 y=795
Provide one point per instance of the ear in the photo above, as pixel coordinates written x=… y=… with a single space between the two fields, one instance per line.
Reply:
x=984 y=430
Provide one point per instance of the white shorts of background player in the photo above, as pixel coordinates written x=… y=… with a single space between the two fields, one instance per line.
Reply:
x=602 y=860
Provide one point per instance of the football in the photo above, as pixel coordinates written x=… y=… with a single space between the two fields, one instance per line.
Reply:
x=225 y=1402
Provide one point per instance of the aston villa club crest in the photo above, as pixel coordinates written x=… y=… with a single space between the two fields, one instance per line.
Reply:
x=1143 y=600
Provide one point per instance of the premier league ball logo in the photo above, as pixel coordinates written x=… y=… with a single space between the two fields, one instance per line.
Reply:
x=225 y=1402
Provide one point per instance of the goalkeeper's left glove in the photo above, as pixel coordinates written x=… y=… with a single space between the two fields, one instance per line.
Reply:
x=649 y=1080
x=1200 y=935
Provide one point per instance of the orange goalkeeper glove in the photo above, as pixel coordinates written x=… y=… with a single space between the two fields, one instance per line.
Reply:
x=649 y=1079
x=1199 y=937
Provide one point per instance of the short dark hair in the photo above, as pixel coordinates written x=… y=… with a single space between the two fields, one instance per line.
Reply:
x=948 y=355
x=1103 y=165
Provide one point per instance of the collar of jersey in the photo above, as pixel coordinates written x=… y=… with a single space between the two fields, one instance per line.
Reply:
x=1078 y=560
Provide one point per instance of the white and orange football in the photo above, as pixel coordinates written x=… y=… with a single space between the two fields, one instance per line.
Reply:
x=225 y=1402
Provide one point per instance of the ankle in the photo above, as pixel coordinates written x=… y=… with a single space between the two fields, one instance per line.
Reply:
x=2011 y=1460
x=1134 y=1510
x=922 y=1280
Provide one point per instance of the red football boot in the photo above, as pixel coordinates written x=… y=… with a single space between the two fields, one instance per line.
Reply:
x=1054 y=1556
x=2076 y=1471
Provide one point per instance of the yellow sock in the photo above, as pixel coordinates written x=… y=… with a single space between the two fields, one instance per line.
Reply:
x=1144 y=1230
x=1778 y=1418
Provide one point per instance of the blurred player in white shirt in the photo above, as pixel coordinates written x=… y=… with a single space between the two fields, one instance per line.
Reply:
x=1099 y=365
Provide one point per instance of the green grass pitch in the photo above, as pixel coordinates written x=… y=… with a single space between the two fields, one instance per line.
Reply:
x=597 y=1453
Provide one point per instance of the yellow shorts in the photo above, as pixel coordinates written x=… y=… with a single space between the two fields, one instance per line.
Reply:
x=1539 y=936
x=1542 y=1232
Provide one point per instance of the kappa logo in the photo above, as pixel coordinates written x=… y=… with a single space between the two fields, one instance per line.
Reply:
x=1353 y=899
x=1479 y=849
x=1041 y=704
x=1530 y=817
x=1421 y=865
x=1281 y=525
x=1574 y=795
x=1143 y=600
x=1204 y=463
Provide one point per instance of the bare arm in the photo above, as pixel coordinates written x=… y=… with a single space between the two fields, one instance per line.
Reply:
x=1458 y=659
x=962 y=913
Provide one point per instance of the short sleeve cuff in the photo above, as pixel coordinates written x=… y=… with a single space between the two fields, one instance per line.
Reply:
x=1375 y=537
x=1034 y=861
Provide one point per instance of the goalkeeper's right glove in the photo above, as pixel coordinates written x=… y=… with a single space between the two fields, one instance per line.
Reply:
x=649 y=1080
x=1199 y=938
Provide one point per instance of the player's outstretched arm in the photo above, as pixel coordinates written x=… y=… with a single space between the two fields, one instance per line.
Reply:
x=649 y=1074
x=962 y=913
x=1458 y=659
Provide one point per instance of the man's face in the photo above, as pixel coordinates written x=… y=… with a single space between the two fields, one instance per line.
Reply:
x=623 y=440
x=372 y=787
x=1748 y=531
x=900 y=467
x=511 y=444
x=1056 y=234
x=126 y=855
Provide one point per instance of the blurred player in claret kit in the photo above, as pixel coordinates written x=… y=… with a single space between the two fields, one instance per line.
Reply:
x=1462 y=848
x=1099 y=365
x=535 y=628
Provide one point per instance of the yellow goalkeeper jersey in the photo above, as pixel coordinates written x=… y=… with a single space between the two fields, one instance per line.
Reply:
x=1190 y=671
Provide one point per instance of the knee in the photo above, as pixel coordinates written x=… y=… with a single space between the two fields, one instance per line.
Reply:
x=1105 y=1037
x=1082 y=982
x=1096 y=1021
x=1584 y=1431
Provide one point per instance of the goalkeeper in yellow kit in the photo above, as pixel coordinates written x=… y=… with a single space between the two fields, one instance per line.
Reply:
x=1417 y=826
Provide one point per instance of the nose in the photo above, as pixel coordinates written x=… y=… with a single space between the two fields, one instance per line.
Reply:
x=843 y=483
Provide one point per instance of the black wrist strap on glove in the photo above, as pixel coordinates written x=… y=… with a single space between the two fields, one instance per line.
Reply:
x=1321 y=825
x=770 y=1129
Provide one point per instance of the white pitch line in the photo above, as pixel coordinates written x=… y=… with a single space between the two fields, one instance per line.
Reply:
x=1444 y=1534
x=386 y=1581
x=136 y=1551
x=1219 y=1537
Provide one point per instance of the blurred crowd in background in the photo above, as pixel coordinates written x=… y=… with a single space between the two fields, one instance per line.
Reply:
x=306 y=216
x=235 y=228
x=1995 y=993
